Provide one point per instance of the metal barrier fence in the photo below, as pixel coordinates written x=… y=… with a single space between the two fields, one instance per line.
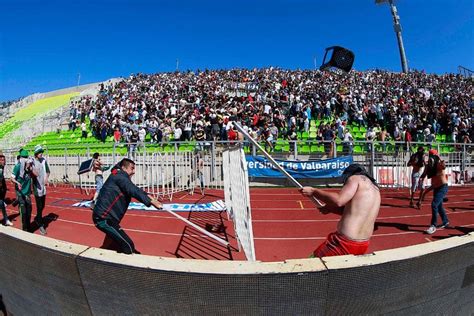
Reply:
x=166 y=172
x=160 y=174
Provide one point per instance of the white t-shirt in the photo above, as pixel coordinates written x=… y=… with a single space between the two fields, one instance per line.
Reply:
x=177 y=133
x=267 y=109
x=173 y=110
x=141 y=134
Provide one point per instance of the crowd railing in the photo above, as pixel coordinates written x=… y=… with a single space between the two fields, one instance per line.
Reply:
x=168 y=168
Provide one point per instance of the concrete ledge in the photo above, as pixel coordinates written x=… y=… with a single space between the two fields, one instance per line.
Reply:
x=203 y=266
x=40 y=275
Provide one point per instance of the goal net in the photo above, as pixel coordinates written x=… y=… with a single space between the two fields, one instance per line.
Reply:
x=237 y=198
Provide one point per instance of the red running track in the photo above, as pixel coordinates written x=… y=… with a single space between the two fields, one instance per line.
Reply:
x=285 y=224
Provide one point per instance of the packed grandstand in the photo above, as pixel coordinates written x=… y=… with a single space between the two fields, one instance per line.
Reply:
x=280 y=104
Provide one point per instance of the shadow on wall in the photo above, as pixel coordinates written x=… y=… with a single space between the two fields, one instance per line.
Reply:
x=3 y=308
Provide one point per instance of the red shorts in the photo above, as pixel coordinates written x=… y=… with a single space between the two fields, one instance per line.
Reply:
x=337 y=244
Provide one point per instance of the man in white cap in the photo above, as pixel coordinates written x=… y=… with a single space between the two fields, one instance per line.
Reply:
x=41 y=168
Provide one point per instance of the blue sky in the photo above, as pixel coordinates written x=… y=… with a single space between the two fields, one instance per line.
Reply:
x=45 y=44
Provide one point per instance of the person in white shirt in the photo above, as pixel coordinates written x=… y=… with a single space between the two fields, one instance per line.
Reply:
x=84 y=130
x=348 y=142
x=267 y=109
x=177 y=133
x=370 y=137
x=173 y=110
x=141 y=136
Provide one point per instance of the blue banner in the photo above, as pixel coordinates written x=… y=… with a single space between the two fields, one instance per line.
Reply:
x=259 y=166
x=216 y=206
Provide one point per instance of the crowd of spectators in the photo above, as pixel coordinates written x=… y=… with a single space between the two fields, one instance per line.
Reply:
x=273 y=103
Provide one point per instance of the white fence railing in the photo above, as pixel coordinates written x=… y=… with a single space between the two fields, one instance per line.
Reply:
x=165 y=173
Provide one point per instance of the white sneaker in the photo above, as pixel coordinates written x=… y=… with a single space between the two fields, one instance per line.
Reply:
x=8 y=223
x=431 y=230
x=42 y=230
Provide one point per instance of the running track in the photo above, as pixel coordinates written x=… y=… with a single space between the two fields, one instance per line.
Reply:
x=285 y=224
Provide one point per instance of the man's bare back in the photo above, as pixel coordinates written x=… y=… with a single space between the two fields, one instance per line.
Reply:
x=358 y=203
x=360 y=213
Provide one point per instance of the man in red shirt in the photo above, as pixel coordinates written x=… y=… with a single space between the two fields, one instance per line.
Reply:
x=407 y=138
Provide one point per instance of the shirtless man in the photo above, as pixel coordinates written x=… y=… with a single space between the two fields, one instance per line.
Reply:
x=200 y=171
x=358 y=203
x=416 y=161
x=435 y=169
x=97 y=167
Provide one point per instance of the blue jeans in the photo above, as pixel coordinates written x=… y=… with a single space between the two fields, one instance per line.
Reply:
x=437 y=204
x=99 y=182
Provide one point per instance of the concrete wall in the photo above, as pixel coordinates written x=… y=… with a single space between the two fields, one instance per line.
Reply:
x=39 y=275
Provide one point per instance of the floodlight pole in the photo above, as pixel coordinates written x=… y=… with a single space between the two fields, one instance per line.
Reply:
x=398 y=30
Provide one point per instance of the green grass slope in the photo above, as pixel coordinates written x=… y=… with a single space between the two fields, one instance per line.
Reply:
x=36 y=108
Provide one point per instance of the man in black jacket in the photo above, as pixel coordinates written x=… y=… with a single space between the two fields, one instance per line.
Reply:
x=113 y=200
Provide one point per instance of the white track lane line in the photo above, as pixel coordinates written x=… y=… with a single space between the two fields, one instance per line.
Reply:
x=323 y=238
x=264 y=238
x=255 y=238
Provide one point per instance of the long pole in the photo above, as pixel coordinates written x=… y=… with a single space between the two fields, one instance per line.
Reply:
x=398 y=31
x=222 y=241
x=274 y=163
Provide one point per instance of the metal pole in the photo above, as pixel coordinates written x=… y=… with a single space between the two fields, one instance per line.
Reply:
x=398 y=31
x=274 y=163
x=372 y=160
x=222 y=241
x=78 y=80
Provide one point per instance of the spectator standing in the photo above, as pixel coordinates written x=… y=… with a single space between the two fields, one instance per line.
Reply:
x=200 y=171
x=407 y=138
x=398 y=138
x=3 y=191
x=416 y=162
x=348 y=142
x=435 y=170
x=84 y=130
x=369 y=138
x=42 y=172
x=178 y=132
x=328 y=137
x=117 y=135
x=97 y=168
x=22 y=177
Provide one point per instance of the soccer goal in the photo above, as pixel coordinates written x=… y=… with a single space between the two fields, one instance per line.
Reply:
x=237 y=198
